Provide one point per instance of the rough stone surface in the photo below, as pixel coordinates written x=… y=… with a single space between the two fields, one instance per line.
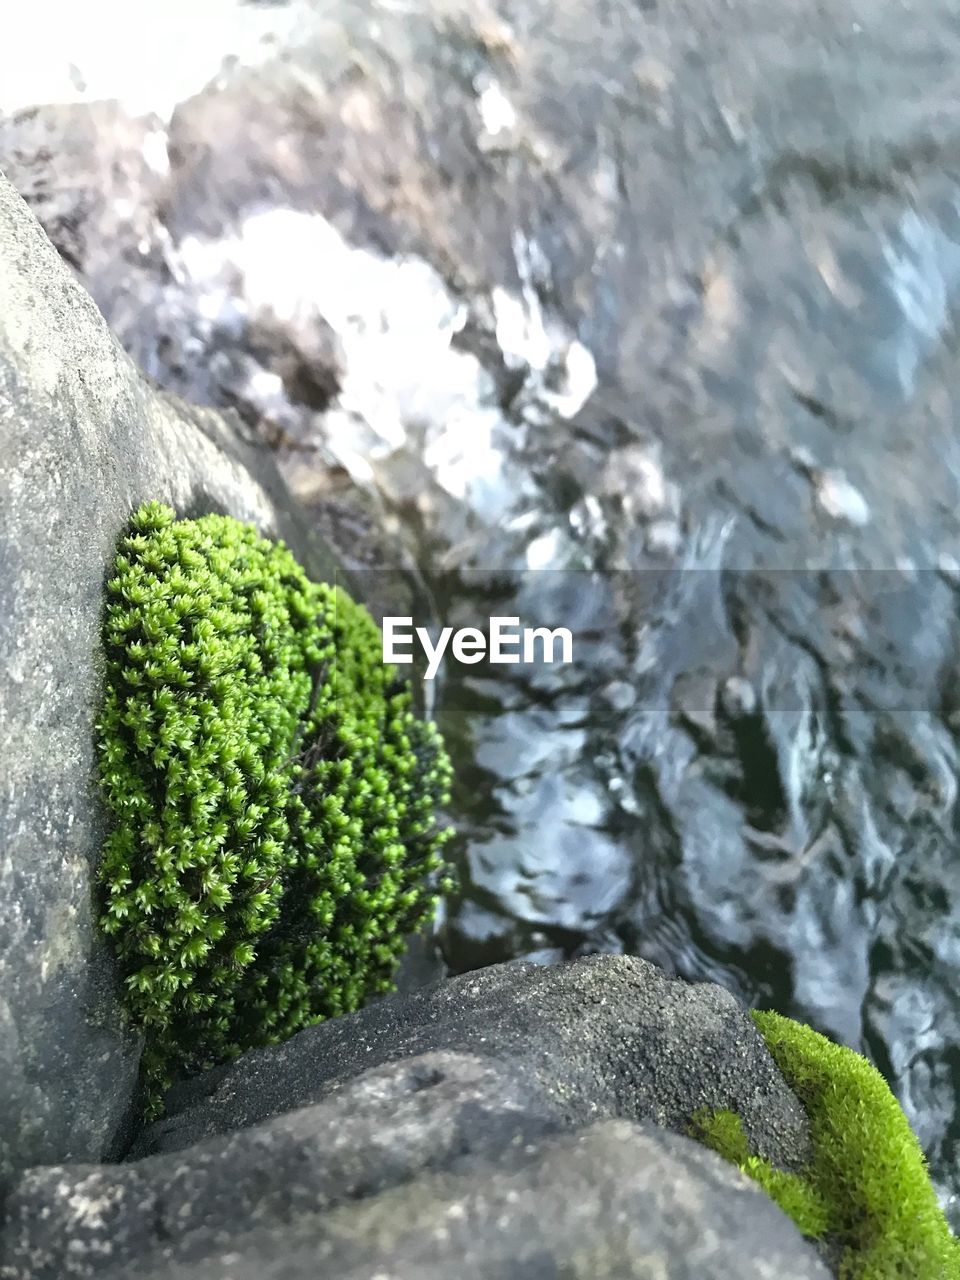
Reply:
x=615 y=1202
x=426 y=1112
x=84 y=440
x=439 y=1165
x=605 y=1036
x=97 y=178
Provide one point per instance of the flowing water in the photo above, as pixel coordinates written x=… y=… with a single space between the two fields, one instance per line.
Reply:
x=650 y=334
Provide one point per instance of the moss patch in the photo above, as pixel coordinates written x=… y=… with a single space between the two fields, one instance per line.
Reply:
x=867 y=1192
x=274 y=796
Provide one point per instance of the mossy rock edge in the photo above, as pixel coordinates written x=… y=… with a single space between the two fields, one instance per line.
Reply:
x=274 y=797
x=866 y=1195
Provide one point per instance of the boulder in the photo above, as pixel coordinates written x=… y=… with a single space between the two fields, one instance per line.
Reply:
x=431 y=1166
x=85 y=439
x=603 y=1037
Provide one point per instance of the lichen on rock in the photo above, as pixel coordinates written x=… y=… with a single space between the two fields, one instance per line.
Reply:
x=275 y=798
x=866 y=1193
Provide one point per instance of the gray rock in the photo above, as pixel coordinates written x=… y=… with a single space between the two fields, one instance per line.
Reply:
x=606 y=1036
x=439 y=1164
x=84 y=172
x=430 y=1133
x=85 y=440
x=615 y=1201
x=391 y=1123
x=98 y=181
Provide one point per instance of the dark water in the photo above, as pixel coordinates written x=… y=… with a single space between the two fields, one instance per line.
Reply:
x=664 y=350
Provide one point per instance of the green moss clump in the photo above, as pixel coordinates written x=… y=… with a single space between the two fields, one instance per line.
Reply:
x=274 y=796
x=866 y=1192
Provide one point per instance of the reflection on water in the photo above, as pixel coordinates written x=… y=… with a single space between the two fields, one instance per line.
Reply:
x=749 y=774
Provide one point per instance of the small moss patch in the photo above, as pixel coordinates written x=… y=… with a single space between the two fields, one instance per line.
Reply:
x=275 y=799
x=867 y=1191
x=797 y=1197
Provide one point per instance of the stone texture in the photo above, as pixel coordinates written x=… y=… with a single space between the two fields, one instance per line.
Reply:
x=505 y=1123
x=615 y=1202
x=606 y=1036
x=84 y=440
x=432 y=1166
x=387 y=1125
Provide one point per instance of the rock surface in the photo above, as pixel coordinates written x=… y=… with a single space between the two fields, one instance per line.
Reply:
x=611 y=1202
x=607 y=1036
x=504 y=1123
x=84 y=440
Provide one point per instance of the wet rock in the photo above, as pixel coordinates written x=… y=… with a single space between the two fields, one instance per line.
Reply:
x=91 y=174
x=613 y=1200
x=99 y=181
x=515 y=1120
x=604 y=1036
x=384 y=1127
x=85 y=440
